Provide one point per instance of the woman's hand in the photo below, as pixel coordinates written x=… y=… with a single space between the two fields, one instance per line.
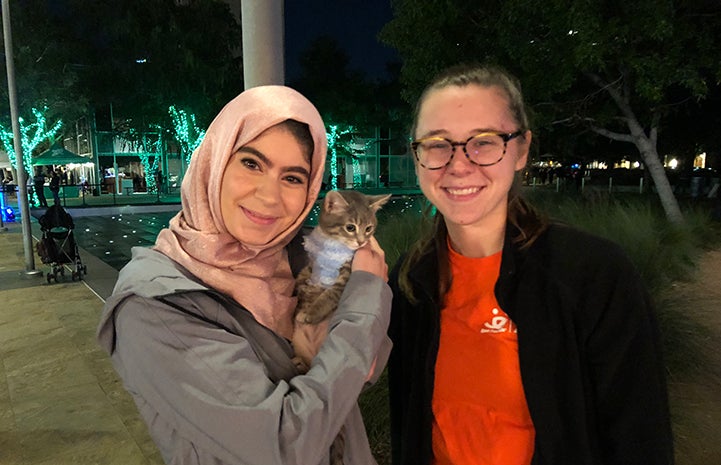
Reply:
x=372 y=259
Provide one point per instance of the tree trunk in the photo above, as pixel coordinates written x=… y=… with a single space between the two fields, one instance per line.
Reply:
x=660 y=180
x=647 y=147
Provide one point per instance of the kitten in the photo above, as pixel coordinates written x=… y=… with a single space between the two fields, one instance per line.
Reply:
x=346 y=222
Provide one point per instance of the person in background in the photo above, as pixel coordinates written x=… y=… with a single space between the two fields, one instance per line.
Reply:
x=516 y=340
x=54 y=186
x=39 y=186
x=159 y=181
x=199 y=326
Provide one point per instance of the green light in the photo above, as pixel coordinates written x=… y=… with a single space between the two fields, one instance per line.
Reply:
x=31 y=135
x=334 y=144
x=151 y=167
x=332 y=136
x=28 y=141
x=187 y=133
x=357 y=178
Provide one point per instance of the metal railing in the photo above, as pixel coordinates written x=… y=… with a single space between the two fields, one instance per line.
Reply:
x=97 y=195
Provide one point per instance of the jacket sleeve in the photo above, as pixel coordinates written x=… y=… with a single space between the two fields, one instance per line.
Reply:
x=414 y=332
x=626 y=369
x=396 y=397
x=207 y=398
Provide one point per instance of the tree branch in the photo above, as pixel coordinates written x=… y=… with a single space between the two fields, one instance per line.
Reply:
x=620 y=99
x=42 y=55
x=612 y=135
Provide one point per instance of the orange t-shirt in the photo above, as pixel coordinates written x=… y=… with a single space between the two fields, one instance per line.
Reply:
x=479 y=407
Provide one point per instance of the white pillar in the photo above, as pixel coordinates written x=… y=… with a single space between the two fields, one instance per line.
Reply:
x=263 y=38
x=20 y=174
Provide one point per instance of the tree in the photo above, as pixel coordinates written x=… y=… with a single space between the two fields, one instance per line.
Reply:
x=351 y=104
x=45 y=74
x=148 y=147
x=31 y=136
x=341 y=94
x=615 y=67
x=140 y=56
x=339 y=139
x=186 y=131
x=147 y=55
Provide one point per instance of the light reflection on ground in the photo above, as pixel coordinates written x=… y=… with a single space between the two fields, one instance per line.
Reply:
x=110 y=238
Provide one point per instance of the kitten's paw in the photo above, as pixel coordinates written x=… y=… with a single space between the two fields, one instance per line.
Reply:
x=309 y=318
x=300 y=364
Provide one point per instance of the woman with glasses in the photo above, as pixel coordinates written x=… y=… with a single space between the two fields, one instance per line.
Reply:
x=516 y=341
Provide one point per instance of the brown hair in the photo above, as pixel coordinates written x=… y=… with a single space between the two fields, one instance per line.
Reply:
x=301 y=133
x=526 y=220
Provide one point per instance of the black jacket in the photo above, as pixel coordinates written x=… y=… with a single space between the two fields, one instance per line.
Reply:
x=588 y=345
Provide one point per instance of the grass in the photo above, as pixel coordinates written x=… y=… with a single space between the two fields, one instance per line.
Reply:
x=664 y=254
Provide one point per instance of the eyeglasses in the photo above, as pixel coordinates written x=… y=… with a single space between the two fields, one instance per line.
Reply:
x=484 y=149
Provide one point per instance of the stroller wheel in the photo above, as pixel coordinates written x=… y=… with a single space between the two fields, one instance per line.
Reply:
x=49 y=277
x=85 y=269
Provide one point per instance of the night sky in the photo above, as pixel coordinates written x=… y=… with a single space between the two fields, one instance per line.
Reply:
x=354 y=23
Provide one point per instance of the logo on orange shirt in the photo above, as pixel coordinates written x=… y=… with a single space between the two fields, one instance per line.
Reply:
x=499 y=324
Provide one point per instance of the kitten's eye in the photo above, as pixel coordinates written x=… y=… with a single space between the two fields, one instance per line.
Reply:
x=369 y=229
x=350 y=227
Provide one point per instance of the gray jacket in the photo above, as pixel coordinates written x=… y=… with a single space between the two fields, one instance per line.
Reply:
x=216 y=387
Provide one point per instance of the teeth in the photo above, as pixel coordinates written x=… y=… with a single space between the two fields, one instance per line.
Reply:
x=464 y=191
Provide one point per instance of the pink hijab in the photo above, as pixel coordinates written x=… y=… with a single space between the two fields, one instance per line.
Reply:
x=257 y=277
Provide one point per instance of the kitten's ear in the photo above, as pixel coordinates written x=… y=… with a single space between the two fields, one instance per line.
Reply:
x=377 y=201
x=334 y=202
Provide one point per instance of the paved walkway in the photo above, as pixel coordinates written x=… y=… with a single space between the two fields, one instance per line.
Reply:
x=60 y=400
x=696 y=400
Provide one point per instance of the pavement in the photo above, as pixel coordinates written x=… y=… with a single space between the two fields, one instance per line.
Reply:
x=60 y=399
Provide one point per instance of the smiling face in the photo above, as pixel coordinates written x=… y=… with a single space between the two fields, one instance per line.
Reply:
x=265 y=186
x=466 y=194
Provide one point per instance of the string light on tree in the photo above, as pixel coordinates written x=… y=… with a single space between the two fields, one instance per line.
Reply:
x=147 y=146
x=335 y=145
x=357 y=175
x=151 y=168
x=31 y=135
x=187 y=133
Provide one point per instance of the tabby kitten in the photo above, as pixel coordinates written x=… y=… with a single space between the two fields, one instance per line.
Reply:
x=346 y=222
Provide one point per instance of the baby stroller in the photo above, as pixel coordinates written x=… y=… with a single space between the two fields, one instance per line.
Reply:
x=57 y=246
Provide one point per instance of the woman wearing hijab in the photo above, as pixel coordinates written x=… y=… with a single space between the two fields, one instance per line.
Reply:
x=198 y=327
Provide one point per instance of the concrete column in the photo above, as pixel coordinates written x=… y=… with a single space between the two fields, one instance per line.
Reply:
x=263 y=39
